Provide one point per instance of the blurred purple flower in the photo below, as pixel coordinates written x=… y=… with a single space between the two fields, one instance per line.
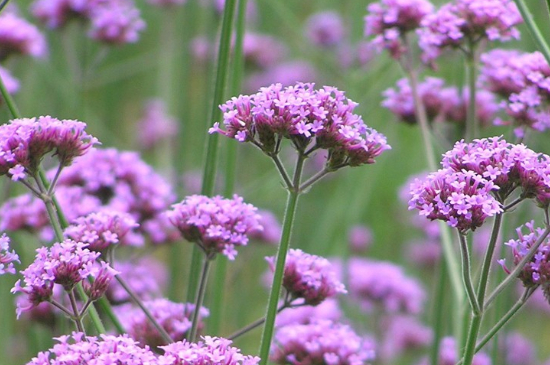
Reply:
x=286 y=73
x=10 y=82
x=115 y=22
x=271 y=232
x=325 y=29
x=7 y=257
x=262 y=51
x=517 y=349
x=146 y=277
x=448 y=354
x=359 y=238
x=329 y=309
x=19 y=37
x=156 y=126
x=401 y=334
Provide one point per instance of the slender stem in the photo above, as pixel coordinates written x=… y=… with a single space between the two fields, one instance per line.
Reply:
x=471 y=118
x=275 y=292
x=165 y=336
x=96 y=320
x=256 y=323
x=439 y=297
x=469 y=350
x=503 y=321
x=282 y=171
x=513 y=204
x=312 y=180
x=514 y=273
x=61 y=307
x=76 y=313
x=7 y=97
x=199 y=299
x=484 y=277
x=533 y=29
x=466 y=274
x=209 y=172
x=54 y=180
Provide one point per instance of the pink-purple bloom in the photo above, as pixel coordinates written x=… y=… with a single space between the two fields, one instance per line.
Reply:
x=457 y=23
x=78 y=348
x=402 y=334
x=285 y=73
x=329 y=309
x=156 y=126
x=175 y=318
x=306 y=116
x=116 y=22
x=359 y=238
x=320 y=342
x=210 y=350
x=309 y=277
x=24 y=142
x=216 y=224
x=66 y=264
x=462 y=199
x=19 y=37
x=325 y=29
x=101 y=230
x=146 y=277
x=449 y=355
x=7 y=257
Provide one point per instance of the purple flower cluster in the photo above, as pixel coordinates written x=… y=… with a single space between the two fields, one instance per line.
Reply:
x=216 y=224
x=271 y=229
x=211 y=351
x=7 y=258
x=325 y=29
x=309 y=277
x=384 y=286
x=66 y=264
x=285 y=73
x=401 y=334
x=518 y=349
x=320 y=342
x=461 y=199
x=448 y=354
x=506 y=165
x=24 y=142
x=537 y=271
x=329 y=309
x=19 y=37
x=523 y=80
x=261 y=51
x=10 y=82
x=359 y=238
x=101 y=230
x=80 y=349
x=457 y=23
x=175 y=318
x=302 y=114
x=111 y=21
x=389 y=20
x=156 y=126
x=121 y=181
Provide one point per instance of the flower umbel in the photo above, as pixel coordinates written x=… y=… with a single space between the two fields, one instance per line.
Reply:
x=7 y=258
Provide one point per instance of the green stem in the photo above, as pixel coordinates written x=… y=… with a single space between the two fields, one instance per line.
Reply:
x=471 y=118
x=534 y=29
x=76 y=314
x=209 y=172
x=466 y=275
x=290 y=210
x=8 y=99
x=484 y=277
x=165 y=336
x=255 y=324
x=282 y=171
x=515 y=272
x=199 y=299
x=469 y=350
x=439 y=310
x=96 y=321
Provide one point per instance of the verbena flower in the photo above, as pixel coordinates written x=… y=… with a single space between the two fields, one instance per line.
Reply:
x=19 y=37
x=271 y=229
x=146 y=277
x=105 y=349
x=383 y=286
x=216 y=224
x=305 y=116
x=359 y=238
x=537 y=271
x=518 y=349
x=261 y=51
x=461 y=199
x=508 y=166
x=286 y=73
x=123 y=182
x=309 y=277
x=116 y=22
x=455 y=24
x=211 y=350
x=448 y=354
x=66 y=264
x=7 y=257
x=101 y=230
x=325 y=29
x=388 y=22
x=401 y=334
x=156 y=126
x=329 y=309
x=57 y=13
x=24 y=142
x=175 y=318
x=321 y=342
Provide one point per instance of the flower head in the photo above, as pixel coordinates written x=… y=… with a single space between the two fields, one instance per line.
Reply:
x=116 y=22
x=461 y=199
x=7 y=258
x=175 y=318
x=17 y=36
x=325 y=28
x=303 y=115
x=156 y=126
x=66 y=264
x=309 y=277
x=107 y=349
x=216 y=224
x=320 y=342
x=211 y=350
x=24 y=142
